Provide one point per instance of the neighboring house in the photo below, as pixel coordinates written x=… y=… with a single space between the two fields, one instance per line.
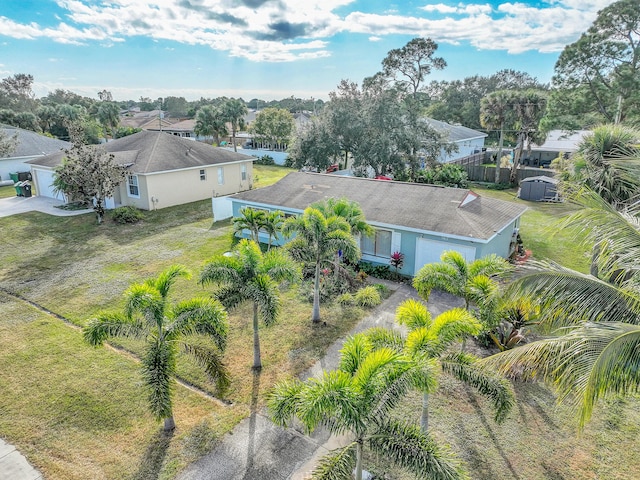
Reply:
x=558 y=142
x=468 y=140
x=147 y=120
x=163 y=170
x=419 y=220
x=183 y=128
x=30 y=145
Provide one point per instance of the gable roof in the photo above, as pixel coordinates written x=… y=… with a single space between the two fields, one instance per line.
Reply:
x=149 y=152
x=31 y=144
x=454 y=133
x=562 y=141
x=428 y=208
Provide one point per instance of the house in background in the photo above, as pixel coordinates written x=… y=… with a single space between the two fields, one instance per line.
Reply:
x=162 y=170
x=558 y=142
x=30 y=145
x=419 y=220
x=468 y=140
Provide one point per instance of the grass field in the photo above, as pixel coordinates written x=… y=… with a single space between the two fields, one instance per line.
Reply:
x=78 y=412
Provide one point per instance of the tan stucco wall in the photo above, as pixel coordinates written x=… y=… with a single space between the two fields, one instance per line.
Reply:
x=184 y=186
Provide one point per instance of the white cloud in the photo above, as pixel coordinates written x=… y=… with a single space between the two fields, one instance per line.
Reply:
x=288 y=30
x=374 y=38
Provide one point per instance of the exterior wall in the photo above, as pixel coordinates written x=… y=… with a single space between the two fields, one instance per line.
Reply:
x=14 y=165
x=465 y=148
x=500 y=244
x=166 y=189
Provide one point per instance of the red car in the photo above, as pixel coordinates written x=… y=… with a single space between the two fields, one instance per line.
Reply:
x=333 y=168
x=382 y=177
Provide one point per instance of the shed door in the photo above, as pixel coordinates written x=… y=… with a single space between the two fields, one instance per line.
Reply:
x=44 y=181
x=429 y=251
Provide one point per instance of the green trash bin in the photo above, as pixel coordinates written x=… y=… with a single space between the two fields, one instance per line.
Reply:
x=18 y=187
x=14 y=176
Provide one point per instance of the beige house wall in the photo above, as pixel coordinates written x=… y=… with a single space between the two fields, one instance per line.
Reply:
x=178 y=187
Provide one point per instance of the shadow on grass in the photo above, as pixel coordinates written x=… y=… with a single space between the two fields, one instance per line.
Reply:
x=151 y=463
x=251 y=444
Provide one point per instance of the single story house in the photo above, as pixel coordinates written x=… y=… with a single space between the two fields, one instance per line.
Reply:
x=162 y=170
x=539 y=189
x=30 y=145
x=558 y=142
x=421 y=221
x=468 y=140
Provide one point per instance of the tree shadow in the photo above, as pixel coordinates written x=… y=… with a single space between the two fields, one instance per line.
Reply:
x=496 y=442
x=151 y=463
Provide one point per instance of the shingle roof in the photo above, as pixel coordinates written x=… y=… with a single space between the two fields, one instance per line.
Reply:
x=562 y=141
x=149 y=152
x=31 y=143
x=454 y=133
x=450 y=211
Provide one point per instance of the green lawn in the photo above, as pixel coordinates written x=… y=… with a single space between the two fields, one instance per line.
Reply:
x=79 y=412
x=6 y=192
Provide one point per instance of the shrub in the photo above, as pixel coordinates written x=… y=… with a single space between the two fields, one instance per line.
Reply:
x=448 y=174
x=265 y=160
x=368 y=297
x=127 y=215
x=345 y=299
x=382 y=289
x=378 y=271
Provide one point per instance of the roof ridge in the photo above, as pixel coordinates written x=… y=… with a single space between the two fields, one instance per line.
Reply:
x=153 y=150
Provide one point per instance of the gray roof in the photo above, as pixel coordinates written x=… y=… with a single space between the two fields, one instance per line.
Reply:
x=428 y=208
x=541 y=178
x=454 y=133
x=148 y=152
x=562 y=141
x=31 y=144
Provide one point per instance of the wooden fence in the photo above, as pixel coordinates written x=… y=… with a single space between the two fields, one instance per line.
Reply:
x=480 y=173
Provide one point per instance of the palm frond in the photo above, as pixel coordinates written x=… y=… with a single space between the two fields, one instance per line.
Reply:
x=146 y=300
x=108 y=325
x=441 y=276
x=454 y=325
x=590 y=362
x=489 y=266
x=489 y=384
x=263 y=290
x=566 y=297
x=413 y=314
x=338 y=464
x=409 y=448
x=231 y=295
x=279 y=266
x=211 y=362
x=222 y=270
x=167 y=278
x=200 y=316
x=355 y=349
x=283 y=401
x=383 y=337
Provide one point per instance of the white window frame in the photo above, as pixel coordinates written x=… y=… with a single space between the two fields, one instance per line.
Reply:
x=203 y=175
x=374 y=239
x=133 y=183
x=220 y=175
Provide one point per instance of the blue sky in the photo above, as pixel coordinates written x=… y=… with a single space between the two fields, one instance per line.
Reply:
x=270 y=49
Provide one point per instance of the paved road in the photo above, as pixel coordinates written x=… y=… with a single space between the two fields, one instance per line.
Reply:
x=14 y=466
x=258 y=450
x=15 y=205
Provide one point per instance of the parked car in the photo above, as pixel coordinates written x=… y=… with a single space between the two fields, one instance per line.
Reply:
x=333 y=168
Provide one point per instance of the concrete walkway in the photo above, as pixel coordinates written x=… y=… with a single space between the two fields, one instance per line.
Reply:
x=15 y=205
x=13 y=466
x=258 y=450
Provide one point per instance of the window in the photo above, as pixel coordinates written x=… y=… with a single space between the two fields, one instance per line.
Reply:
x=243 y=172
x=220 y=175
x=203 y=175
x=379 y=245
x=132 y=186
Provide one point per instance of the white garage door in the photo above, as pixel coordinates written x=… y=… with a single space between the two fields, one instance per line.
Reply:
x=429 y=251
x=44 y=180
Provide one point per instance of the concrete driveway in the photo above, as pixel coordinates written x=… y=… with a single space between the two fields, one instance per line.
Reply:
x=15 y=205
x=258 y=450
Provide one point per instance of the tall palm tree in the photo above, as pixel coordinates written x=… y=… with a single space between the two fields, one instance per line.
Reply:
x=233 y=112
x=529 y=106
x=166 y=328
x=455 y=275
x=494 y=114
x=250 y=219
x=357 y=399
x=430 y=339
x=596 y=351
x=318 y=238
x=350 y=211
x=250 y=275
x=210 y=123
x=109 y=117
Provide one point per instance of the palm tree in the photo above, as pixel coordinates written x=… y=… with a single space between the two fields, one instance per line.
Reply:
x=109 y=116
x=250 y=219
x=272 y=225
x=210 y=122
x=318 y=238
x=607 y=161
x=233 y=112
x=596 y=354
x=251 y=275
x=166 y=328
x=430 y=339
x=455 y=275
x=350 y=211
x=529 y=107
x=494 y=113
x=357 y=399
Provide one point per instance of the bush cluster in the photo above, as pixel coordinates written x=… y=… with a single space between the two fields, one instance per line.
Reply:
x=127 y=215
x=265 y=160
